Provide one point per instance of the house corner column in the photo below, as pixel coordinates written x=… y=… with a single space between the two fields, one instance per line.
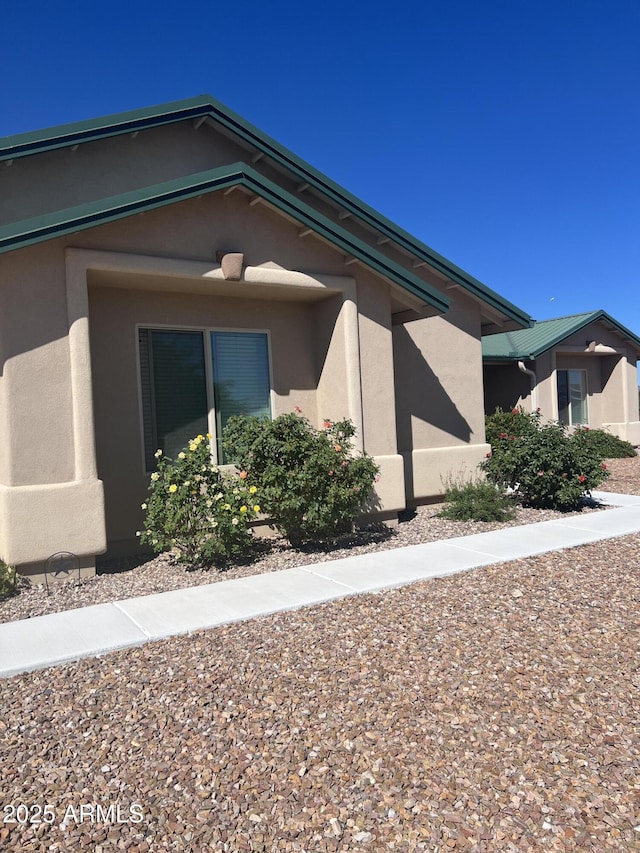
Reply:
x=80 y=360
x=352 y=363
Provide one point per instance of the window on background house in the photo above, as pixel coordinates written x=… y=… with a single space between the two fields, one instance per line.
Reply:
x=572 y=397
x=192 y=382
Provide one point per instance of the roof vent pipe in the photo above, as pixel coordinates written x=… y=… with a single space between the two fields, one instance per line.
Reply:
x=534 y=382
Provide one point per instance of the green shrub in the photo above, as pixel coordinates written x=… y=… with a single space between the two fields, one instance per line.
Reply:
x=311 y=483
x=515 y=423
x=198 y=510
x=477 y=501
x=604 y=443
x=8 y=580
x=541 y=463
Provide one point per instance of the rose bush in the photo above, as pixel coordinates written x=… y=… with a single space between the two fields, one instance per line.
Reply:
x=607 y=445
x=197 y=510
x=312 y=484
x=541 y=463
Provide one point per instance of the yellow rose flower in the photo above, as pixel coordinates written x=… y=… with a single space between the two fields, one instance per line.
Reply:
x=256 y=507
x=155 y=475
x=173 y=488
x=193 y=446
x=182 y=455
x=253 y=490
x=226 y=506
x=243 y=509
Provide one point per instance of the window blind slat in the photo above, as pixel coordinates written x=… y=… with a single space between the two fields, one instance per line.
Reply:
x=240 y=376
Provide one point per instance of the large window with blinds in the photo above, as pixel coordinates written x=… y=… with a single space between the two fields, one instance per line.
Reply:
x=193 y=381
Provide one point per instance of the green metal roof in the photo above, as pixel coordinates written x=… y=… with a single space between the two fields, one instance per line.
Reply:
x=530 y=343
x=46 y=227
x=25 y=144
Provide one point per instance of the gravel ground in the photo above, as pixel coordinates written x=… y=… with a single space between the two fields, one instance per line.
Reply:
x=125 y=579
x=625 y=476
x=495 y=710
x=164 y=573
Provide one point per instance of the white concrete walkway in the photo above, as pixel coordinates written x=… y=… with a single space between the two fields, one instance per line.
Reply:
x=88 y=631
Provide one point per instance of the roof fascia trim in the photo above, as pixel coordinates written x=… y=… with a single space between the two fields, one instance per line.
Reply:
x=586 y=321
x=49 y=226
x=30 y=143
x=61 y=136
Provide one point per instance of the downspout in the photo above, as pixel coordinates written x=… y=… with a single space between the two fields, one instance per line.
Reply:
x=534 y=382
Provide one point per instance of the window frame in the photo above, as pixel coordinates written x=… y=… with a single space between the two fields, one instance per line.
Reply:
x=585 y=374
x=205 y=331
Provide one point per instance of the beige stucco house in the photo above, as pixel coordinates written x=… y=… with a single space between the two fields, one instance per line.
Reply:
x=580 y=370
x=163 y=268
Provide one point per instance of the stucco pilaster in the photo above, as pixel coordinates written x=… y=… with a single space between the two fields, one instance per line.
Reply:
x=351 y=333
x=80 y=358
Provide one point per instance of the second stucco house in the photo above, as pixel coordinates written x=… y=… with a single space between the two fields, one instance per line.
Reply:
x=163 y=268
x=579 y=370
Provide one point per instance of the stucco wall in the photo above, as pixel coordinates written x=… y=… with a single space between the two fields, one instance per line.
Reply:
x=197 y=228
x=438 y=364
x=377 y=369
x=439 y=397
x=596 y=332
x=35 y=374
x=114 y=314
x=46 y=504
x=64 y=178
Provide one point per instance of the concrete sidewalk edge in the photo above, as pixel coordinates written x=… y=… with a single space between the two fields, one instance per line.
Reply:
x=58 y=638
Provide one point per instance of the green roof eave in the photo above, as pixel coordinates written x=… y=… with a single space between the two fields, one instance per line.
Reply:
x=529 y=344
x=205 y=105
x=48 y=226
x=48 y=139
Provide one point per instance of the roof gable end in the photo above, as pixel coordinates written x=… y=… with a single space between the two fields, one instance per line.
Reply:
x=46 y=227
x=528 y=344
x=205 y=107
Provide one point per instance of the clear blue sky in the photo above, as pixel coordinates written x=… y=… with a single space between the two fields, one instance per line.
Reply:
x=503 y=133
